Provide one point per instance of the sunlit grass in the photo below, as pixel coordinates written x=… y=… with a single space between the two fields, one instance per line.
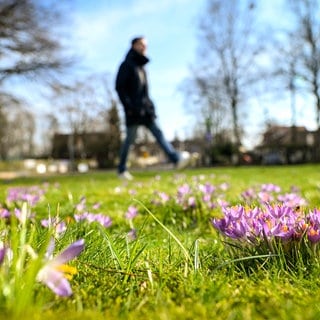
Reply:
x=176 y=266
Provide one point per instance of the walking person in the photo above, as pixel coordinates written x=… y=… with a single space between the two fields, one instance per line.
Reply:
x=132 y=89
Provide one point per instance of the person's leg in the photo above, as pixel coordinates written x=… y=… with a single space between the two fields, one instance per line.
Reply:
x=131 y=132
x=166 y=146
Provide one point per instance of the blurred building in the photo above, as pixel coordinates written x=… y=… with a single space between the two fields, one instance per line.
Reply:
x=285 y=145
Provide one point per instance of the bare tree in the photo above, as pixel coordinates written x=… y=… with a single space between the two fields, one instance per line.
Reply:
x=306 y=37
x=86 y=107
x=28 y=44
x=30 y=48
x=17 y=128
x=229 y=60
x=83 y=104
x=211 y=113
x=4 y=126
x=22 y=135
x=113 y=136
x=50 y=126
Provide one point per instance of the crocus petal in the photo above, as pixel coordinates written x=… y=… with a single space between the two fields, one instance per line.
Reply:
x=56 y=281
x=51 y=246
x=69 y=253
x=2 y=254
x=131 y=212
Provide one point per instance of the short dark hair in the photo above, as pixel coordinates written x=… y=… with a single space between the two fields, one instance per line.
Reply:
x=136 y=39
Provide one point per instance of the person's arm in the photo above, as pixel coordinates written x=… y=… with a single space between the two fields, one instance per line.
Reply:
x=122 y=87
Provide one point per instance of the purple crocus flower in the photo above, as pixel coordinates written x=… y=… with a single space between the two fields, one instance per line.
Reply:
x=270 y=187
x=55 y=273
x=104 y=220
x=96 y=206
x=192 y=202
x=4 y=213
x=207 y=188
x=313 y=230
x=132 y=192
x=224 y=186
x=265 y=197
x=59 y=226
x=2 y=254
x=222 y=203
x=292 y=200
x=132 y=234
x=81 y=206
x=233 y=224
x=249 y=194
x=276 y=221
x=164 y=197
x=313 y=235
x=161 y=198
x=184 y=190
x=131 y=212
x=31 y=195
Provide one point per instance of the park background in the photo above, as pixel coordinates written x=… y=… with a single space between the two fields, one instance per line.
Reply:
x=233 y=77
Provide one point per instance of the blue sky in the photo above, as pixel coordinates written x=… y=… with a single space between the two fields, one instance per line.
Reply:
x=101 y=34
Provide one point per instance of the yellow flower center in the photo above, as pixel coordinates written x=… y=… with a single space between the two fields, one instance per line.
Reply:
x=313 y=232
x=68 y=271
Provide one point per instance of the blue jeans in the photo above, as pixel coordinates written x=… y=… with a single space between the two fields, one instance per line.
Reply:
x=131 y=134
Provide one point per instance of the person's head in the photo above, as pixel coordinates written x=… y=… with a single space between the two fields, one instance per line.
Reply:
x=139 y=44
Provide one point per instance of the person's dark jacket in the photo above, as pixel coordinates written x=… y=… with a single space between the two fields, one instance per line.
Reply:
x=132 y=88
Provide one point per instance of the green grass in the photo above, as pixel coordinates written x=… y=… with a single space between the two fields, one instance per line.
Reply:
x=178 y=267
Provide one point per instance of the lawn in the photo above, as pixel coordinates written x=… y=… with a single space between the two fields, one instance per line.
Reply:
x=152 y=248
